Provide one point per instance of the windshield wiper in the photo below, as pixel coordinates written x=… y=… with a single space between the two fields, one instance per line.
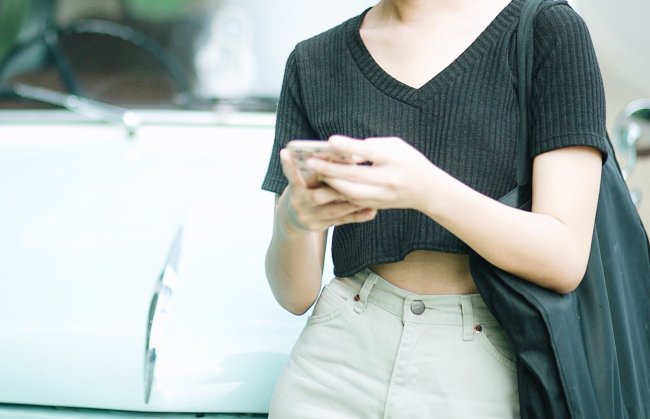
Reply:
x=92 y=109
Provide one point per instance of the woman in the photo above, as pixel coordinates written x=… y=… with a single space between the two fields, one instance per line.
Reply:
x=426 y=92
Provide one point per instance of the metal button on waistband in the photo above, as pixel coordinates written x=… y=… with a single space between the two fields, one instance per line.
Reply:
x=417 y=307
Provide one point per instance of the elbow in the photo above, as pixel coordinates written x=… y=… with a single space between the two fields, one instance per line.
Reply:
x=296 y=309
x=567 y=286
x=569 y=276
x=297 y=305
x=566 y=267
x=294 y=301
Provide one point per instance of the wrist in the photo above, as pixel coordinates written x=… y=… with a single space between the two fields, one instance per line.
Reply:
x=287 y=221
x=442 y=195
x=431 y=192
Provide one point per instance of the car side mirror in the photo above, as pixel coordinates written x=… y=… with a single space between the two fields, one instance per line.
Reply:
x=628 y=141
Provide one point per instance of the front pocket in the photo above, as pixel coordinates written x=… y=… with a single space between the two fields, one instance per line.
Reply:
x=496 y=343
x=333 y=300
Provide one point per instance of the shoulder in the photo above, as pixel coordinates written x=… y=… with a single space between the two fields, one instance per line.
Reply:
x=559 y=23
x=325 y=47
x=562 y=36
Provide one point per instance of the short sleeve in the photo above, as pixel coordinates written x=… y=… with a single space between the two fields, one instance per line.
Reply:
x=291 y=123
x=568 y=97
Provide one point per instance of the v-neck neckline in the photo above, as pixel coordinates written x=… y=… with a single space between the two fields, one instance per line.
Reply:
x=415 y=96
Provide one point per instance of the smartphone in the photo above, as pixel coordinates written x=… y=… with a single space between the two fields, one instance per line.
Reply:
x=301 y=150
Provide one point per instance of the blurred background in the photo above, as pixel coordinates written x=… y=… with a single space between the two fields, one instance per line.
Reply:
x=152 y=52
x=207 y=54
x=621 y=36
x=126 y=281
x=106 y=215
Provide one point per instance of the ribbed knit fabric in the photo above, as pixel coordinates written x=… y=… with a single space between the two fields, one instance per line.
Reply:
x=464 y=119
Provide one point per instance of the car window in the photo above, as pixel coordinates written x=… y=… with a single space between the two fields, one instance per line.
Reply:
x=159 y=53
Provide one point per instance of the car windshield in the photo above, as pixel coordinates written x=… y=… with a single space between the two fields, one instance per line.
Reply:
x=188 y=54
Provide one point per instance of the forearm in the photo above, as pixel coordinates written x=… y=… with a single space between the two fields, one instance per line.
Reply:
x=548 y=246
x=294 y=263
x=534 y=246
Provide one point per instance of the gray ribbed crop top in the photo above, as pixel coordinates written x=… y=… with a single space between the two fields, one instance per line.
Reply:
x=464 y=119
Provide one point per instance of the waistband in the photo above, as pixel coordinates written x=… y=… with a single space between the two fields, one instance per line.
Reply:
x=467 y=310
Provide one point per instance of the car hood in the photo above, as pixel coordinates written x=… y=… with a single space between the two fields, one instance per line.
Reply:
x=88 y=220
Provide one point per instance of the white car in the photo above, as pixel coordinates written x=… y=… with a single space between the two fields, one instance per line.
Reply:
x=132 y=268
x=132 y=276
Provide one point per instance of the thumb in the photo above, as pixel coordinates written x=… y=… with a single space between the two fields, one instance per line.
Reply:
x=290 y=169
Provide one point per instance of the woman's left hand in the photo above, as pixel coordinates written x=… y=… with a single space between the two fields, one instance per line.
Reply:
x=399 y=176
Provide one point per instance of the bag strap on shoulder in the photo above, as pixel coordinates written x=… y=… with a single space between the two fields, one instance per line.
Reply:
x=521 y=195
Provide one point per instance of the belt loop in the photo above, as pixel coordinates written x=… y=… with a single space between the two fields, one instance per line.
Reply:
x=370 y=281
x=468 y=317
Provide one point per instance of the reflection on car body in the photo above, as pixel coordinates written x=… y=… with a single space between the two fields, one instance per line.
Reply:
x=132 y=261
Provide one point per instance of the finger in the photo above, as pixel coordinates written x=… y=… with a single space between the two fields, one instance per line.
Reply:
x=319 y=218
x=361 y=216
x=336 y=210
x=370 y=149
x=324 y=195
x=351 y=172
x=289 y=168
x=362 y=195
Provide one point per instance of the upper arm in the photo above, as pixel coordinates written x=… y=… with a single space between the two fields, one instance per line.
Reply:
x=568 y=134
x=566 y=184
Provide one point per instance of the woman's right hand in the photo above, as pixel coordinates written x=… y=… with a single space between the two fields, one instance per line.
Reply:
x=315 y=209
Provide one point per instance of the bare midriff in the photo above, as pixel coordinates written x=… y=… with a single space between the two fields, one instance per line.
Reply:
x=430 y=272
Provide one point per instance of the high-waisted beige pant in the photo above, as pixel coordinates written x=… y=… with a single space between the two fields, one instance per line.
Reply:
x=372 y=350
